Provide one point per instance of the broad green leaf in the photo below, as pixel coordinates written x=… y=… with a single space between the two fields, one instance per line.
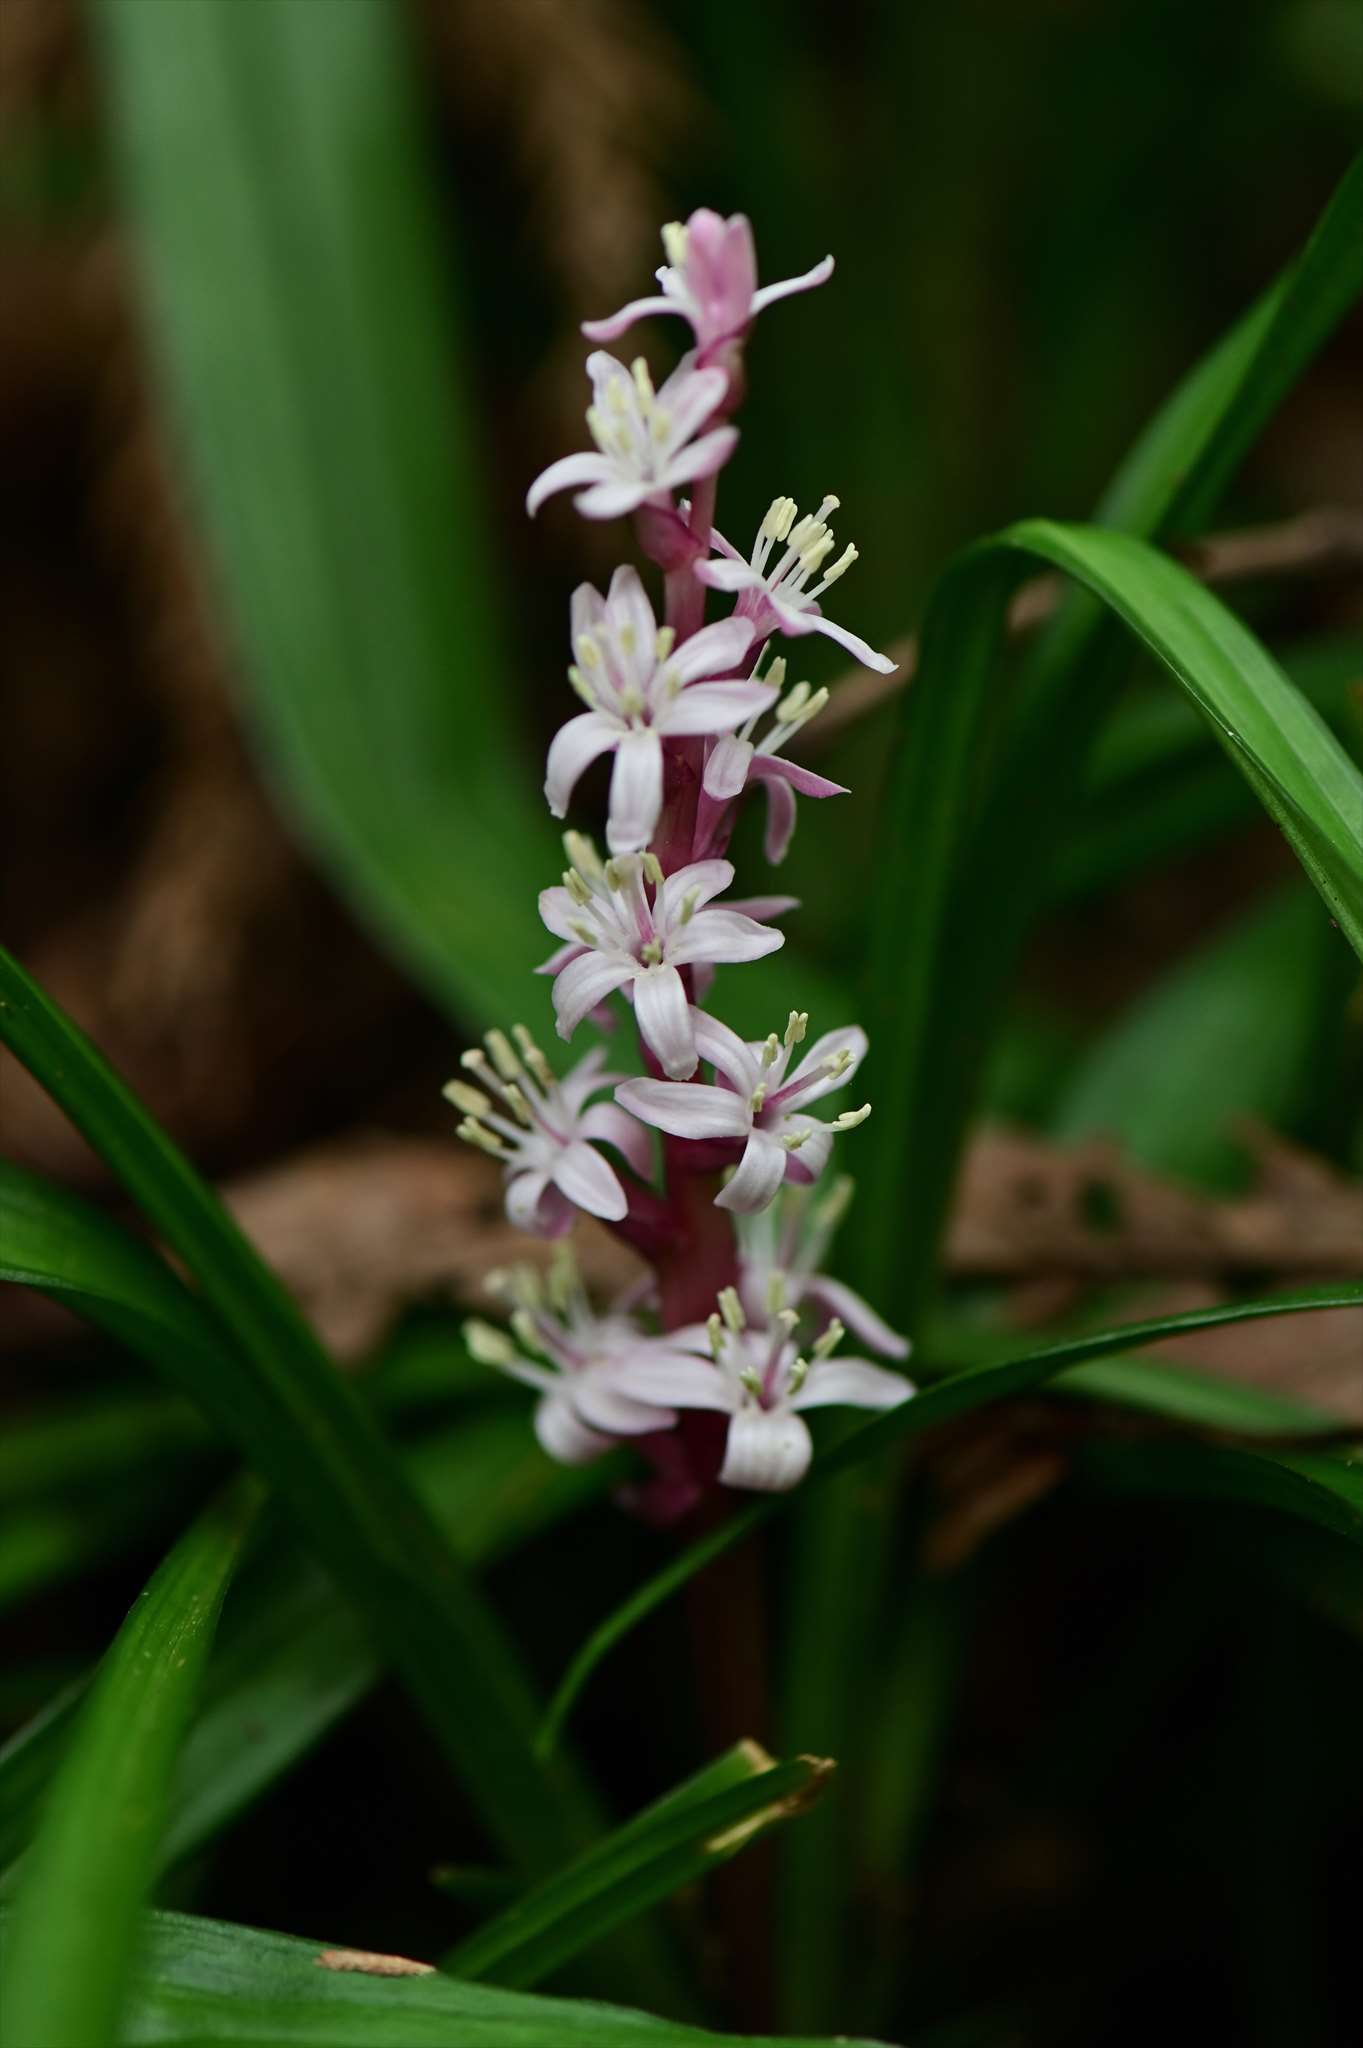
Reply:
x=961 y=1394
x=276 y=179
x=1226 y=1035
x=68 y=1949
x=674 y=1842
x=205 y=1984
x=308 y=1432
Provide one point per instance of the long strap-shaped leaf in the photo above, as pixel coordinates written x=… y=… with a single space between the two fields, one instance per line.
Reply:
x=1285 y=750
x=305 y=1428
x=961 y=1394
x=69 y=1947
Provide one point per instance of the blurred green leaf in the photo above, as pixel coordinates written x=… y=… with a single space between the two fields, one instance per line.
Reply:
x=280 y=194
x=1227 y=1034
x=674 y=1842
x=205 y=1984
x=68 y=1949
x=1312 y=1486
x=276 y=1395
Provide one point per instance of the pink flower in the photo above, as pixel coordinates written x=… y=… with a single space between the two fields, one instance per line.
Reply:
x=756 y=1104
x=781 y=1251
x=643 y=438
x=545 y=1133
x=758 y=1378
x=629 y=927
x=737 y=759
x=579 y=1362
x=710 y=278
x=777 y=600
x=640 y=692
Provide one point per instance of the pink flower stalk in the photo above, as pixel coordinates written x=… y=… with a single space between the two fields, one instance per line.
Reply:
x=644 y=445
x=756 y=1104
x=545 y=1132
x=579 y=1362
x=710 y=278
x=737 y=759
x=759 y=1378
x=641 y=691
x=628 y=926
x=778 y=599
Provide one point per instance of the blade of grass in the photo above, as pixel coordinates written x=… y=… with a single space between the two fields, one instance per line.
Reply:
x=307 y=1431
x=676 y=1841
x=962 y=1393
x=204 y=1981
x=69 y=1949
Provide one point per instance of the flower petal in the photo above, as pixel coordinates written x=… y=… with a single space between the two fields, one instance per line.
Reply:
x=858 y=1316
x=851 y=1383
x=612 y=498
x=689 y=396
x=572 y=750
x=728 y=575
x=713 y=650
x=590 y=1181
x=726 y=1051
x=628 y=605
x=607 y=1124
x=768 y=294
x=726 y=771
x=808 y=1163
x=603 y=1401
x=703 y=456
x=687 y=1109
x=636 y=791
x=584 y=983
x=713 y=707
x=583 y=1079
x=679 y=1382
x=859 y=649
x=586 y=468
x=586 y=610
x=723 y=935
x=768 y=1451
x=709 y=878
x=774 y=768
x=563 y=1435
x=780 y=826
x=523 y=1191
x=664 y=1019
x=757 y=1177
x=851 y=1038
x=615 y=324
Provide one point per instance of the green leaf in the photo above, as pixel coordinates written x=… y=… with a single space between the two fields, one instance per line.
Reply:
x=981 y=1387
x=69 y=1948
x=274 y=161
x=206 y=1984
x=308 y=1432
x=1312 y=1486
x=674 y=1842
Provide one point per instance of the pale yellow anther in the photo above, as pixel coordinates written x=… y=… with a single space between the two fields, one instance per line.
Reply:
x=792 y=704
x=582 y=853
x=749 y=1380
x=617 y=873
x=665 y=641
x=674 y=243
x=562 y=1280
x=792 y=1140
x=486 y=1141
x=523 y=1323
x=757 y=1098
x=780 y=515
x=686 y=909
x=582 y=686
x=776 y=1291
x=837 y=1063
x=587 y=651
x=830 y=1339
x=842 y=565
x=796 y=1026
x=503 y=1058
x=577 y=888
x=475 y=1059
x=714 y=1330
x=819 y=548
x=776 y=674
x=631 y=702
x=583 y=933
x=516 y=1102
x=653 y=869
x=660 y=426
x=850 y=1118
x=471 y=1101
x=788 y=1318
x=651 y=953
x=488 y=1344
x=731 y=1308
x=799 y=1373
x=627 y=638
x=533 y=1057
x=771 y=1050
x=643 y=383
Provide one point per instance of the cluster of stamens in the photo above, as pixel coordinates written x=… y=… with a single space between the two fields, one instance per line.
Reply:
x=808 y=541
x=519 y=1078
x=609 y=674
x=619 y=428
x=727 y=1326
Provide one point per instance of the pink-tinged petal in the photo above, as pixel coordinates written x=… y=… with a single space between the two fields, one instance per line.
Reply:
x=606 y=372
x=611 y=500
x=560 y=914
x=687 y=1109
x=757 y=1177
x=768 y=294
x=851 y=1383
x=703 y=456
x=682 y=1383
x=628 y=605
x=523 y=1192
x=603 y=1402
x=616 y=324
x=584 y=983
x=729 y=575
x=560 y=957
x=664 y=1019
x=775 y=768
x=851 y=1038
x=858 y=1316
x=796 y=620
x=723 y=935
x=726 y=771
x=725 y=547
x=586 y=609
x=572 y=750
x=583 y=1078
x=713 y=707
x=768 y=1451
x=636 y=792
x=780 y=825
x=689 y=396
x=714 y=651
x=606 y=1124
x=763 y=907
x=859 y=649
x=589 y=1181
x=805 y=1166
x=564 y=474
x=709 y=878
x=722 y=1047
x=563 y=1435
